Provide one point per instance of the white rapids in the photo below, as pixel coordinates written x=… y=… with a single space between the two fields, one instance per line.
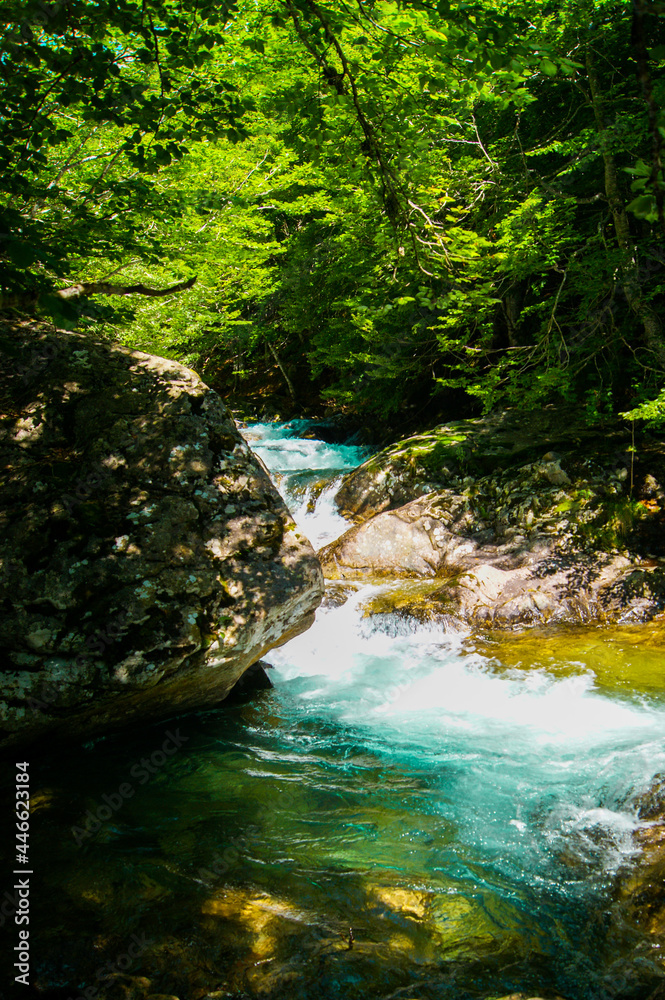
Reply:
x=536 y=760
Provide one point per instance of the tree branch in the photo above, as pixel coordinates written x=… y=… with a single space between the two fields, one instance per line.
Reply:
x=102 y=175
x=104 y=288
x=394 y=192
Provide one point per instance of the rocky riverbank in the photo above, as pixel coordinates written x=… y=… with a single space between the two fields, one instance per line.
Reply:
x=524 y=519
x=146 y=558
x=644 y=889
x=506 y=522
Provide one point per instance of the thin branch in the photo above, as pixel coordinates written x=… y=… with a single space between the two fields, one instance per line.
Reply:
x=289 y=383
x=493 y=164
x=157 y=59
x=69 y=163
x=375 y=24
x=48 y=90
x=102 y=176
x=116 y=270
x=398 y=206
x=252 y=171
x=104 y=288
x=516 y=133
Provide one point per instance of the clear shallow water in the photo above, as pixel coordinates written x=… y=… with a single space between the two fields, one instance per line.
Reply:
x=464 y=803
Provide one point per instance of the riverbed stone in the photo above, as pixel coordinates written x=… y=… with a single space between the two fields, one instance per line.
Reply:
x=642 y=889
x=521 y=996
x=146 y=558
x=560 y=537
x=259 y=920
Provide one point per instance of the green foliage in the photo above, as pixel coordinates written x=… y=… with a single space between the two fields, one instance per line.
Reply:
x=652 y=410
x=615 y=522
x=96 y=99
x=646 y=185
x=397 y=208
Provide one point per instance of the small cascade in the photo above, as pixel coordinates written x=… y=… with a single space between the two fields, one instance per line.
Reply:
x=525 y=763
x=538 y=773
x=307 y=472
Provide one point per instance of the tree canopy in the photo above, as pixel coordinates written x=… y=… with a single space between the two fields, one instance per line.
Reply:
x=404 y=208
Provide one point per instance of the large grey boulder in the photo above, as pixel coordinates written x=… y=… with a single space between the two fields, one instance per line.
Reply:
x=146 y=558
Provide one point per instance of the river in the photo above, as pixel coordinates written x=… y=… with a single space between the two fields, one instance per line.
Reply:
x=413 y=811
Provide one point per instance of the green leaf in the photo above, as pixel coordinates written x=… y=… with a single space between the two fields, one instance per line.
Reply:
x=644 y=207
x=641 y=169
x=548 y=67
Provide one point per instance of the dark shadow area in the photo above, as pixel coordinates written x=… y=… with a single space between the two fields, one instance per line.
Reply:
x=138 y=534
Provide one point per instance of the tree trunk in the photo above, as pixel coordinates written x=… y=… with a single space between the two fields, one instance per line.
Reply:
x=282 y=369
x=511 y=304
x=104 y=288
x=630 y=276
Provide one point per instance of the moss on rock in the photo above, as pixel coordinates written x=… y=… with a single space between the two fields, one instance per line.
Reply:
x=146 y=558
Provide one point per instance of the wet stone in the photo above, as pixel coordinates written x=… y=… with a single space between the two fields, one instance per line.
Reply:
x=535 y=535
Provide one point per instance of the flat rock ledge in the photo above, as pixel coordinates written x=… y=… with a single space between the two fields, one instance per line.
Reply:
x=547 y=541
x=146 y=560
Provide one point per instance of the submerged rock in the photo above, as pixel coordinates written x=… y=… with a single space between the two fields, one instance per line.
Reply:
x=146 y=558
x=641 y=898
x=522 y=996
x=646 y=887
x=558 y=537
x=258 y=919
x=249 y=684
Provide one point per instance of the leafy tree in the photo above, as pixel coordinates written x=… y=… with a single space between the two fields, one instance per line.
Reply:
x=96 y=99
x=385 y=204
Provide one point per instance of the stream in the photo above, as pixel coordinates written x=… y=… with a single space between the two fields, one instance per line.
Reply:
x=414 y=811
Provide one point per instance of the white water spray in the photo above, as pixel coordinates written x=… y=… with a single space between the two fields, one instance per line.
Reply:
x=530 y=765
x=306 y=471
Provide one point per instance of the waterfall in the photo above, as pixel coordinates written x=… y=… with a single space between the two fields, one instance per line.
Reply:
x=307 y=472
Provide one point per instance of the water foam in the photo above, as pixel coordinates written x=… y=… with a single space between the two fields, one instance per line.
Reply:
x=283 y=452
x=528 y=766
x=425 y=671
x=533 y=759
x=298 y=466
x=318 y=517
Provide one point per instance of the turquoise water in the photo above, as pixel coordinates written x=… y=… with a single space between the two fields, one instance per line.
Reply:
x=307 y=473
x=411 y=812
